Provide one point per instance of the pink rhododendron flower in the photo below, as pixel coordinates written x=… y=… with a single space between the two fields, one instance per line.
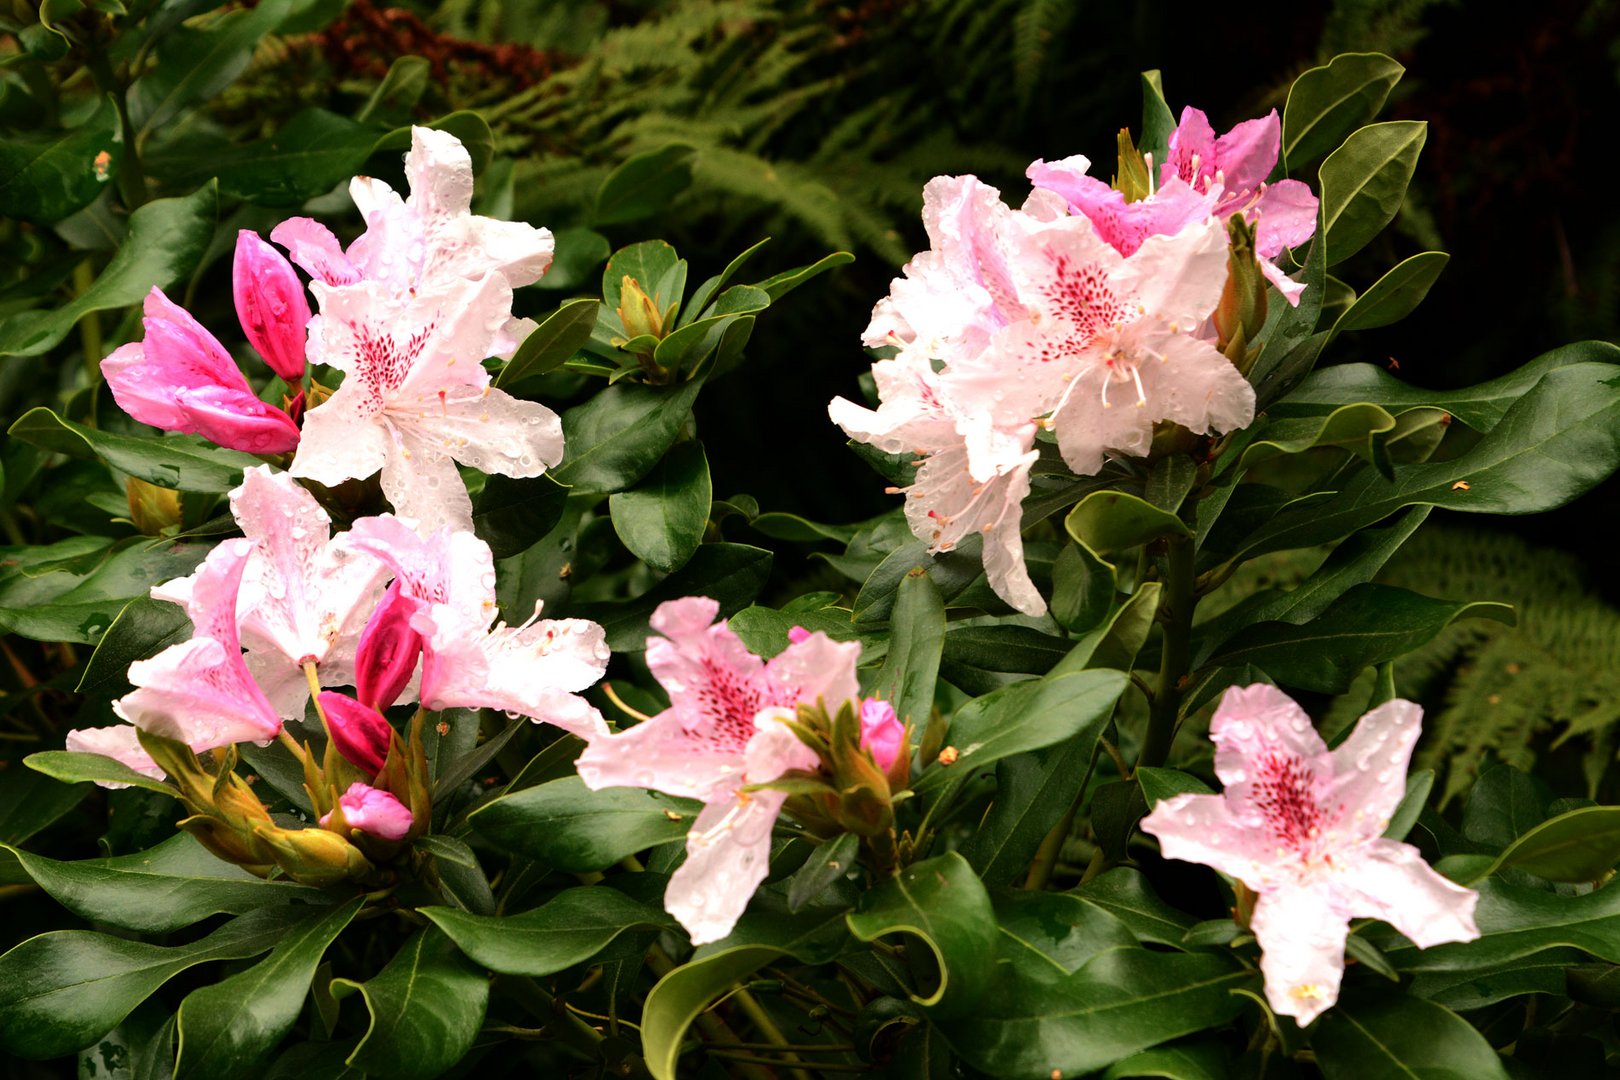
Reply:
x=304 y=597
x=1302 y=826
x=416 y=399
x=271 y=305
x=118 y=742
x=535 y=669
x=360 y=733
x=180 y=378
x=373 y=811
x=722 y=731
x=1124 y=225
x=881 y=732
x=424 y=242
x=200 y=691
x=388 y=652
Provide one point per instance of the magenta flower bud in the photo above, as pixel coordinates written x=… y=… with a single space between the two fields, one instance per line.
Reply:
x=375 y=812
x=271 y=305
x=798 y=635
x=180 y=378
x=361 y=733
x=881 y=732
x=388 y=649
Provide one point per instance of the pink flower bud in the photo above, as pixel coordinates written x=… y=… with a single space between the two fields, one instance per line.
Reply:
x=375 y=812
x=271 y=305
x=388 y=649
x=881 y=732
x=361 y=733
x=798 y=635
x=182 y=379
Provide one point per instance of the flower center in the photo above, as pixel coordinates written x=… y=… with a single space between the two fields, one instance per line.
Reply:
x=1083 y=296
x=1283 y=793
x=728 y=704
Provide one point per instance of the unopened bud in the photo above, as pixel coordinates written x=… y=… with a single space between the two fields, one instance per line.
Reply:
x=314 y=856
x=360 y=733
x=153 y=509
x=1133 y=180
x=1241 y=313
x=271 y=305
x=882 y=733
x=375 y=812
x=387 y=653
x=639 y=312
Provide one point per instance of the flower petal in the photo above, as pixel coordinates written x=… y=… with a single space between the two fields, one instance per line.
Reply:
x=339 y=441
x=728 y=854
x=1390 y=881
x=1202 y=829
x=1245 y=155
x=661 y=754
x=312 y=246
x=1252 y=722
x=817 y=669
x=1369 y=767
x=119 y=742
x=235 y=419
x=1301 y=937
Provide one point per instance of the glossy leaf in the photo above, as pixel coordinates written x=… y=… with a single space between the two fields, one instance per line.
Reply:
x=568 y=826
x=684 y=993
x=1083 y=588
x=616 y=437
x=194 y=64
x=1109 y=521
x=1124 y=892
x=1418 y=786
x=309 y=155
x=1361 y=428
x=1397 y=1035
x=1026 y=716
x=830 y=862
x=46 y=177
x=30 y=801
x=173 y=885
x=917 y=638
x=167 y=238
x=951 y=572
x=941 y=903
x=60 y=992
x=1553 y=444
x=662 y=519
x=74 y=767
x=1581 y=845
x=649 y=263
x=1518 y=921
x=1364 y=183
x=781 y=284
x=733 y=574
x=511 y=514
x=426 y=1007
x=643 y=185
x=229 y=1028
x=1395 y=295
x=1191 y=1060
x=144 y=628
x=187 y=462
x=568 y=929
x=1157 y=119
x=563 y=333
x=1329 y=102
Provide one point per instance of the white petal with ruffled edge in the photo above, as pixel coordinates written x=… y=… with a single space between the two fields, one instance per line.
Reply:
x=1301 y=937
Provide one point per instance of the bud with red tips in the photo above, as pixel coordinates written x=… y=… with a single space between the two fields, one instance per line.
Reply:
x=271 y=305
x=388 y=650
x=360 y=733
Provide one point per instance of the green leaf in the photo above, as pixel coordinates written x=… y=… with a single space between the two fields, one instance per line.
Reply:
x=511 y=514
x=1369 y=624
x=662 y=519
x=783 y=526
x=917 y=639
x=1192 y=1060
x=781 y=284
x=1361 y=428
x=74 y=767
x=29 y=801
x=394 y=98
x=1065 y=929
x=733 y=574
x=1027 y=716
x=1395 y=295
x=951 y=571
x=144 y=628
x=1124 y=892
x=1519 y=921
x=1418 y=786
x=1033 y=792
x=1159 y=784
x=60 y=992
x=568 y=929
x=1396 y=1035
x=616 y=437
x=426 y=1007
x=1109 y=521
x=194 y=64
x=311 y=154
x=942 y=903
x=1327 y=103
x=1041 y=1019
x=1157 y=119
x=579 y=252
x=643 y=185
x=167 y=238
x=829 y=863
x=44 y=178
x=568 y=826
x=684 y=993
x=1552 y=445
x=649 y=263
x=1364 y=183
x=563 y=333
x=173 y=885
x=686 y=348
x=187 y=462
x=1582 y=845
x=229 y=1028
x=695 y=307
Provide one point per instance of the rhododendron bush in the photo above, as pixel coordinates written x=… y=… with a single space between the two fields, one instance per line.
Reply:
x=437 y=716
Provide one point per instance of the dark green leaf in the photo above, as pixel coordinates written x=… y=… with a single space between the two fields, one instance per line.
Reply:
x=394 y=98
x=510 y=515
x=917 y=637
x=566 y=930
x=29 y=801
x=643 y=185
x=661 y=520
x=1157 y=119
x=1327 y=103
x=616 y=437
x=1083 y=587
x=568 y=826
x=830 y=862
x=1504 y=804
x=144 y=628
x=1124 y=892
x=563 y=333
x=1361 y=428
x=175 y=884
x=649 y=263
x=1108 y=521
x=46 y=177
x=1191 y=1060
x=682 y=994
x=733 y=574
x=1406 y=814
x=72 y=767
x=1160 y=784
x=781 y=284
x=579 y=252
x=426 y=1008
x=1364 y=183
x=167 y=238
x=1395 y=295
x=229 y=1028
x=1399 y=1036
x=187 y=462
x=1518 y=921
x=194 y=64
x=468 y=127
x=1582 y=845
